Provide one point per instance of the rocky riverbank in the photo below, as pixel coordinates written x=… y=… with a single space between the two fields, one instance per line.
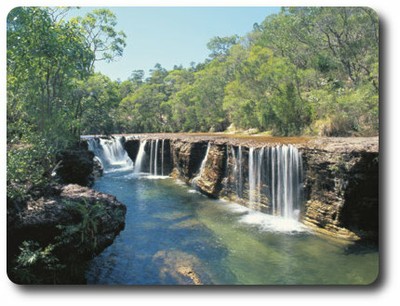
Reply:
x=52 y=234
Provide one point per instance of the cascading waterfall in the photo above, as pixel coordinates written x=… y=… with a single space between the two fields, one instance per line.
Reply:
x=275 y=173
x=252 y=178
x=140 y=157
x=162 y=157
x=285 y=174
x=259 y=183
x=155 y=158
x=202 y=166
x=255 y=175
x=153 y=165
x=111 y=153
x=271 y=180
x=151 y=156
x=238 y=171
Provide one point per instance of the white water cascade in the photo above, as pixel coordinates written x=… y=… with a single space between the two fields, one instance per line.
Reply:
x=202 y=166
x=140 y=157
x=275 y=173
x=238 y=171
x=252 y=178
x=148 y=162
x=162 y=157
x=111 y=153
x=287 y=179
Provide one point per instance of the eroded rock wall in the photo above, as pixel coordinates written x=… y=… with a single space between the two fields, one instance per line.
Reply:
x=210 y=179
x=187 y=158
x=342 y=193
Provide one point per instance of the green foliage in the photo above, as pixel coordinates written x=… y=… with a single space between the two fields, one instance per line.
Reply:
x=85 y=231
x=52 y=93
x=97 y=98
x=36 y=265
x=28 y=164
x=220 y=46
x=304 y=70
x=98 y=28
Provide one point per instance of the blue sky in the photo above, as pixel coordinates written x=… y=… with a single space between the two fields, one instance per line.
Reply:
x=174 y=35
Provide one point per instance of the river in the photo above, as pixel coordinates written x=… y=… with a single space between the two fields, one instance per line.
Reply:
x=175 y=235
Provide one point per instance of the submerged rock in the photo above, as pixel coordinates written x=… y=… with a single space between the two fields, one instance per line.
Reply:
x=181 y=267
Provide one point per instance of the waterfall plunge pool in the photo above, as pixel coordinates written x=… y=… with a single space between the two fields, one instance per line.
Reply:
x=174 y=235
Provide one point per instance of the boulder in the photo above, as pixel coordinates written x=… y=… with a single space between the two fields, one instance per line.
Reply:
x=75 y=166
x=44 y=220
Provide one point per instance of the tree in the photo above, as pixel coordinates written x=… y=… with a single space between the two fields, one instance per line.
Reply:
x=99 y=98
x=335 y=51
x=49 y=62
x=43 y=60
x=220 y=46
x=98 y=28
x=144 y=110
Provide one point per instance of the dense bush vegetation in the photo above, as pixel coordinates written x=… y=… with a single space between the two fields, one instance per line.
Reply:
x=303 y=71
x=52 y=91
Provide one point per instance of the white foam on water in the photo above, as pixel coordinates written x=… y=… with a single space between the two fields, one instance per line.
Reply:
x=180 y=182
x=118 y=167
x=194 y=191
x=270 y=223
x=237 y=208
x=155 y=177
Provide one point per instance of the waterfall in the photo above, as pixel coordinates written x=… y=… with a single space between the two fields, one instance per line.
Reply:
x=111 y=153
x=271 y=176
x=274 y=179
x=155 y=158
x=140 y=156
x=239 y=169
x=203 y=163
x=259 y=176
x=284 y=174
x=282 y=168
x=151 y=158
x=252 y=178
x=202 y=166
x=162 y=157
x=255 y=176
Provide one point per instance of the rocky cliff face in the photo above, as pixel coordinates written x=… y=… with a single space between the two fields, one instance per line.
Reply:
x=187 y=158
x=211 y=176
x=342 y=189
x=341 y=180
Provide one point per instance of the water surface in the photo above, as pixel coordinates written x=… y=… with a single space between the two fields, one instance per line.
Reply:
x=174 y=235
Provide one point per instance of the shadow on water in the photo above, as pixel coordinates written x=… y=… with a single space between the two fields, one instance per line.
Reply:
x=360 y=248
